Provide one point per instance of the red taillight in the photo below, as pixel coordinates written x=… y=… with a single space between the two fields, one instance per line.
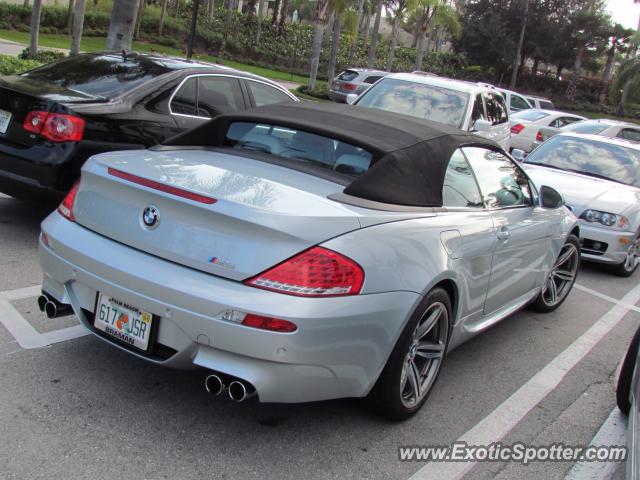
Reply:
x=179 y=192
x=266 y=323
x=55 y=127
x=539 y=136
x=66 y=207
x=517 y=128
x=317 y=272
x=349 y=86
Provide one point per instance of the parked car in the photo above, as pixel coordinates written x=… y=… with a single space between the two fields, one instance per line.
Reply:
x=540 y=102
x=628 y=398
x=299 y=258
x=353 y=80
x=464 y=105
x=515 y=101
x=526 y=125
x=604 y=127
x=54 y=117
x=600 y=180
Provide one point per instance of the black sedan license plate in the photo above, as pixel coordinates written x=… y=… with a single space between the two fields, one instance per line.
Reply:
x=124 y=322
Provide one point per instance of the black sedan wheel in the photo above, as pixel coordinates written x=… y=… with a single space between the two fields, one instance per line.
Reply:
x=414 y=364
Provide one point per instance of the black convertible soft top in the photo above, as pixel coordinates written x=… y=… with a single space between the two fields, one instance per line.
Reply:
x=410 y=155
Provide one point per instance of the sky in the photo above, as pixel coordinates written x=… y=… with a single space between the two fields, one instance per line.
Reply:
x=624 y=12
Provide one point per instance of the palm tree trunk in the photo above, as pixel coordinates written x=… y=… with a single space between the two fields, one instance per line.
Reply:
x=163 y=14
x=139 y=19
x=251 y=10
x=176 y=10
x=276 y=11
x=261 y=14
x=516 y=60
x=394 y=41
x=227 y=25
x=70 y=12
x=211 y=8
x=419 y=52
x=78 y=27
x=316 y=46
x=25 y=3
x=374 y=36
x=122 y=23
x=572 y=89
x=335 y=43
x=284 y=13
x=606 y=76
x=624 y=96
x=35 y=27
x=366 y=28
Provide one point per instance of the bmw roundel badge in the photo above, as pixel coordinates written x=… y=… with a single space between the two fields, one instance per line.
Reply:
x=151 y=216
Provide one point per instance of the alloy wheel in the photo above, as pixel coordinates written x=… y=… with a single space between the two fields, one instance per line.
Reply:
x=632 y=259
x=424 y=356
x=562 y=275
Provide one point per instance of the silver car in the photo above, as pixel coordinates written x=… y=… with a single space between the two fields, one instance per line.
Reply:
x=600 y=179
x=298 y=259
x=353 y=81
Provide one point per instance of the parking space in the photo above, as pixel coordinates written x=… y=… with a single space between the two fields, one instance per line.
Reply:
x=72 y=406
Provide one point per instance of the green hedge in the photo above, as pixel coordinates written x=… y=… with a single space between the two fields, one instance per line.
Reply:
x=13 y=65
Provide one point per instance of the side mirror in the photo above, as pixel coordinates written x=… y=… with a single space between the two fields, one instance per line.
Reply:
x=351 y=98
x=550 y=198
x=518 y=154
x=482 y=125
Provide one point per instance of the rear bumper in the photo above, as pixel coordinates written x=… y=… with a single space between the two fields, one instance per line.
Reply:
x=339 y=349
x=339 y=97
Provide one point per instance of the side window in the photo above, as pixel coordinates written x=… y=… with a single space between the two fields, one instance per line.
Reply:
x=562 y=121
x=630 y=134
x=460 y=188
x=266 y=95
x=546 y=104
x=518 y=103
x=184 y=101
x=218 y=95
x=372 y=79
x=501 y=181
x=478 y=110
x=496 y=108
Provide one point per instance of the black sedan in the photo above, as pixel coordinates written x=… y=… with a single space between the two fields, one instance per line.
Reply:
x=56 y=116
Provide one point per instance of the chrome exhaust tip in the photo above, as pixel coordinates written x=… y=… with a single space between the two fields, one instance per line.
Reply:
x=51 y=309
x=214 y=384
x=42 y=302
x=239 y=391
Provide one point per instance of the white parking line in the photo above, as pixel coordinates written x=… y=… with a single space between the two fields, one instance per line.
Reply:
x=501 y=421
x=24 y=333
x=612 y=433
x=595 y=293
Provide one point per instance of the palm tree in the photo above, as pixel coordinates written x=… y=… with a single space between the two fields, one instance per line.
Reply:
x=284 y=13
x=163 y=13
x=374 y=35
x=316 y=46
x=78 y=27
x=227 y=25
x=399 y=8
x=619 y=37
x=36 y=11
x=431 y=13
x=123 y=16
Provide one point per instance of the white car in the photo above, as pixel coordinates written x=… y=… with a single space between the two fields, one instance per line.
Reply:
x=603 y=126
x=468 y=106
x=526 y=125
x=541 y=102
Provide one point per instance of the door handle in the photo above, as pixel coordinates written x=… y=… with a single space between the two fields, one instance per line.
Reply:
x=503 y=235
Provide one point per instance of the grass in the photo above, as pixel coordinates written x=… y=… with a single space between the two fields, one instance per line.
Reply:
x=92 y=44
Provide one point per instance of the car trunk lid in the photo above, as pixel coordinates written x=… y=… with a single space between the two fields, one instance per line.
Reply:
x=250 y=216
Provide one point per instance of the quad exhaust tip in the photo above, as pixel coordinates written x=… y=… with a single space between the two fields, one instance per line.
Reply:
x=214 y=385
x=51 y=307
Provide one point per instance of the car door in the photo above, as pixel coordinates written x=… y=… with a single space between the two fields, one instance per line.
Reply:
x=469 y=236
x=517 y=103
x=499 y=117
x=522 y=229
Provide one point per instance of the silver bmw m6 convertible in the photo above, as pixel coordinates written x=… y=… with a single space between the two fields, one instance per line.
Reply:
x=307 y=252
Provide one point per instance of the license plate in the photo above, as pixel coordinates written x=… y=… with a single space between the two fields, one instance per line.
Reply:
x=5 y=119
x=125 y=322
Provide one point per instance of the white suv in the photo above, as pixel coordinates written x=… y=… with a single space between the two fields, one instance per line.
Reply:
x=464 y=105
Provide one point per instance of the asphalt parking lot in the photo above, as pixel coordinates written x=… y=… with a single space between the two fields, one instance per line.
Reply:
x=72 y=406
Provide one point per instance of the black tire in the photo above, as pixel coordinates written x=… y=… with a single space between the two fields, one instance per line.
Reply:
x=542 y=306
x=386 y=396
x=623 y=388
